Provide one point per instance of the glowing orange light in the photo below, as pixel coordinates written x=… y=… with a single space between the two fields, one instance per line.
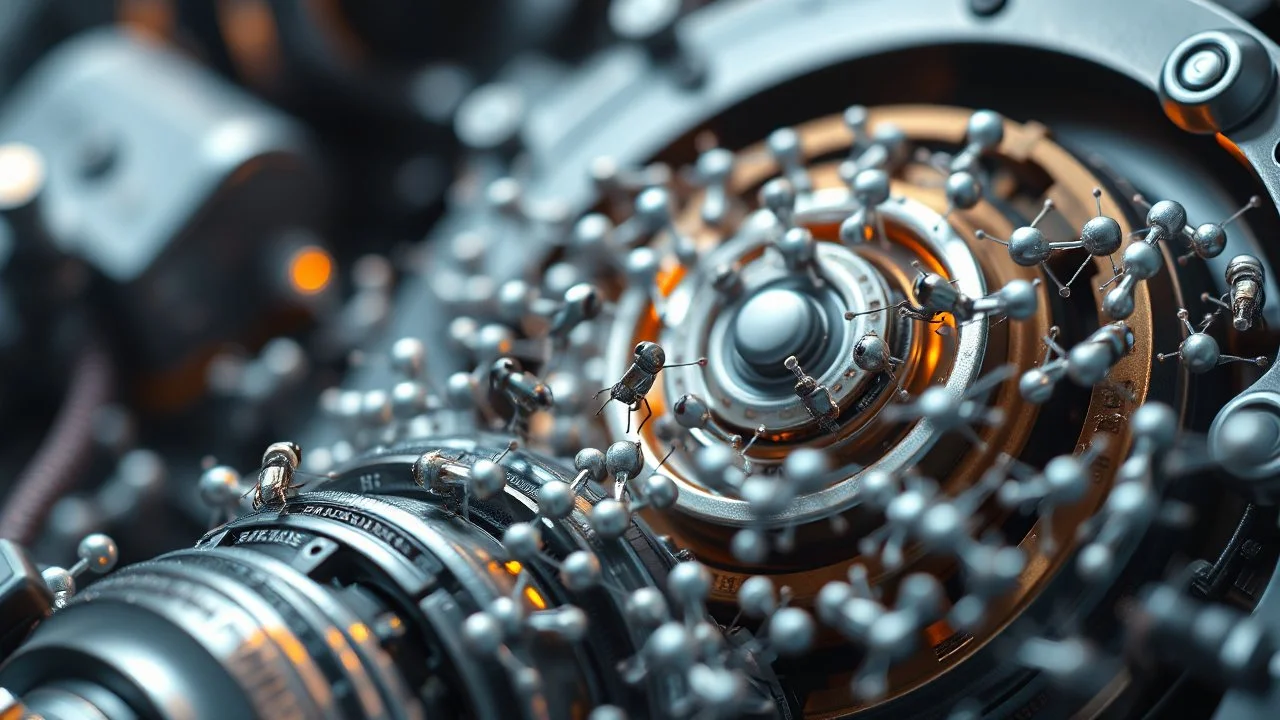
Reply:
x=513 y=567
x=535 y=598
x=359 y=632
x=310 y=270
x=938 y=632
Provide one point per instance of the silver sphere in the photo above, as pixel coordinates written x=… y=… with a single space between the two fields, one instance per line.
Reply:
x=715 y=165
x=1088 y=364
x=528 y=681
x=797 y=247
x=1169 y=216
x=592 y=461
x=1101 y=235
x=514 y=298
x=943 y=526
x=1035 y=386
x=714 y=687
x=871 y=353
x=871 y=187
x=508 y=614
x=985 y=129
x=691 y=411
x=879 y=485
x=766 y=496
x=58 y=580
x=963 y=190
x=570 y=623
x=408 y=399
x=610 y=519
x=806 y=469
x=791 y=631
x=487 y=479
x=555 y=500
x=1118 y=304
x=607 y=712
x=1157 y=423
x=460 y=390
x=641 y=266
x=481 y=634
x=937 y=405
x=749 y=546
x=493 y=340
x=660 y=491
x=99 y=551
x=757 y=598
x=408 y=357
x=689 y=582
x=831 y=601
x=580 y=571
x=1142 y=261
x=1200 y=353
x=670 y=647
x=220 y=487
x=1066 y=478
x=624 y=457
x=592 y=232
x=922 y=593
x=1095 y=561
x=646 y=607
x=523 y=541
x=779 y=197
x=784 y=143
x=891 y=138
x=653 y=206
x=376 y=407
x=1020 y=299
x=1028 y=246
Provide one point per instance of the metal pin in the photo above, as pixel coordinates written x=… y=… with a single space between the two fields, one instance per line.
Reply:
x=653 y=209
x=816 y=398
x=784 y=146
x=1245 y=278
x=714 y=169
x=870 y=189
x=97 y=553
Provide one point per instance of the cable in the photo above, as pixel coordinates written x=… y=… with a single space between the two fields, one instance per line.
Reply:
x=52 y=471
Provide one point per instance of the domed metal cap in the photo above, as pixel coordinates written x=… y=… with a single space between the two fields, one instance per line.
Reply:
x=1216 y=81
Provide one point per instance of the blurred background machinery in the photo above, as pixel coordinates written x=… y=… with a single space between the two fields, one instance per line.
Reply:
x=643 y=358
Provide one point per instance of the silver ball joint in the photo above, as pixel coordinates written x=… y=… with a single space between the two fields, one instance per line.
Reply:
x=97 y=553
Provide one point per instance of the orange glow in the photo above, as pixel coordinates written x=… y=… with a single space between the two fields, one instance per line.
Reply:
x=310 y=270
x=535 y=598
x=359 y=632
x=938 y=632
x=252 y=38
x=513 y=567
x=292 y=648
x=147 y=19
x=1226 y=144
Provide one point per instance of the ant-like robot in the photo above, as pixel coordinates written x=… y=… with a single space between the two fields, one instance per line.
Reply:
x=637 y=381
x=275 y=480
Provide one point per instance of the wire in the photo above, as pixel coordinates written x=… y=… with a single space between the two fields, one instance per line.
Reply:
x=54 y=468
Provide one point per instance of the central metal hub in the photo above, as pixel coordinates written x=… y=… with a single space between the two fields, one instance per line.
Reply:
x=776 y=323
